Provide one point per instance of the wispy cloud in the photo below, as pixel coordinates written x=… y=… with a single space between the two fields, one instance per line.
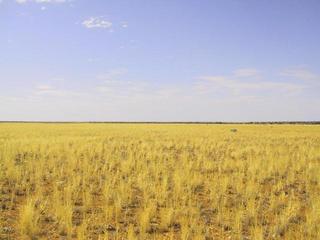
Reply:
x=300 y=73
x=245 y=82
x=123 y=88
x=97 y=22
x=44 y=88
x=242 y=84
x=117 y=84
x=49 y=90
x=112 y=74
x=246 y=72
x=236 y=84
x=114 y=83
x=116 y=96
x=124 y=24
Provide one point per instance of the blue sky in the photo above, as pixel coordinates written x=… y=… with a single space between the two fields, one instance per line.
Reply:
x=152 y=60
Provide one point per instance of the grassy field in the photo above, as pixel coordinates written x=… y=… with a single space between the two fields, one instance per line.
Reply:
x=153 y=181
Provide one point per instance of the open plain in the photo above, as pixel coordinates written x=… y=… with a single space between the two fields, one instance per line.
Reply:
x=159 y=181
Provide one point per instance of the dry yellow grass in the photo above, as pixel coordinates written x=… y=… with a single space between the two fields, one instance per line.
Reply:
x=129 y=181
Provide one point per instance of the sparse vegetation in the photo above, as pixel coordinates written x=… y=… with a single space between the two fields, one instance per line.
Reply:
x=148 y=181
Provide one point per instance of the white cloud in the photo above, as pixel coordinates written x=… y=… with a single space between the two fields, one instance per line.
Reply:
x=112 y=74
x=47 y=90
x=245 y=82
x=300 y=73
x=123 y=88
x=236 y=84
x=96 y=22
x=124 y=24
x=115 y=96
x=246 y=72
x=114 y=83
x=51 y=91
x=44 y=88
x=233 y=86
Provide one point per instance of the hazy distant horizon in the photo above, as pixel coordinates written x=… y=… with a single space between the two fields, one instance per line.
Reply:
x=168 y=122
x=153 y=61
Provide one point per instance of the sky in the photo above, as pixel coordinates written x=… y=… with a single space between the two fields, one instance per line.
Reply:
x=159 y=60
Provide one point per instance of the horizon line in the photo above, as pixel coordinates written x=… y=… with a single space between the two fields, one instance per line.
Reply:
x=169 y=122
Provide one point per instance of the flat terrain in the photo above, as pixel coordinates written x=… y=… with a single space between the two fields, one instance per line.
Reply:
x=153 y=181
